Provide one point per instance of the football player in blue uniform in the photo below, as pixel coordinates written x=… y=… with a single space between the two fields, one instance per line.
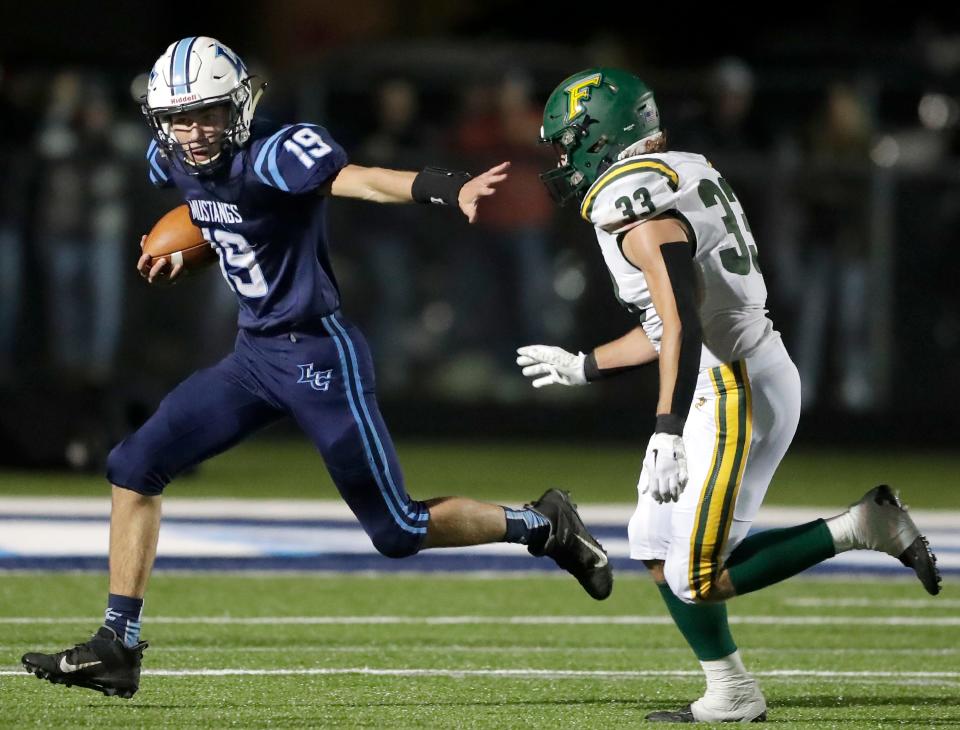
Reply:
x=259 y=191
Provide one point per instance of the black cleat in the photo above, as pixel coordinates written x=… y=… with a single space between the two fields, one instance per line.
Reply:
x=922 y=560
x=884 y=524
x=571 y=546
x=686 y=715
x=103 y=664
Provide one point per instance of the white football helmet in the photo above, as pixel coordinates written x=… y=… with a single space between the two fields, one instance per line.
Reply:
x=193 y=73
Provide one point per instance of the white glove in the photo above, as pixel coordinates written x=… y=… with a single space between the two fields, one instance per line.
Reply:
x=548 y=365
x=664 y=472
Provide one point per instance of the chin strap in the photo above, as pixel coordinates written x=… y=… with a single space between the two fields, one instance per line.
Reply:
x=256 y=98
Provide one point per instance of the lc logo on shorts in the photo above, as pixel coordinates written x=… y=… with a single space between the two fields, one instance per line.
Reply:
x=316 y=379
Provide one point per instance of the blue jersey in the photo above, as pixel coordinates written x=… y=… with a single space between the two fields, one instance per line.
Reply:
x=267 y=221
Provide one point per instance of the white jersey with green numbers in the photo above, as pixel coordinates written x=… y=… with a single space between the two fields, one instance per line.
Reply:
x=732 y=294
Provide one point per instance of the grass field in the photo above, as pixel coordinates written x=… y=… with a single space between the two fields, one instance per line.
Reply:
x=505 y=472
x=514 y=651
x=453 y=652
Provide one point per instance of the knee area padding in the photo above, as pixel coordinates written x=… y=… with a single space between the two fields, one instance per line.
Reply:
x=679 y=584
x=130 y=469
x=395 y=542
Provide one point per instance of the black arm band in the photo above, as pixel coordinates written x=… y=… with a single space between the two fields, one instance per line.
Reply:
x=679 y=262
x=592 y=371
x=440 y=187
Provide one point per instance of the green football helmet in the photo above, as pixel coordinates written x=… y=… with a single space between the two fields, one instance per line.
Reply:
x=590 y=118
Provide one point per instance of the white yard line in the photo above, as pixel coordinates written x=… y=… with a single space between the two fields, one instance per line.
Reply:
x=304 y=648
x=881 y=677
x=505 y=620
x=933 y=603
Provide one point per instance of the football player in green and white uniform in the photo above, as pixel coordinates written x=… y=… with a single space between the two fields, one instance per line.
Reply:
x=678 y=246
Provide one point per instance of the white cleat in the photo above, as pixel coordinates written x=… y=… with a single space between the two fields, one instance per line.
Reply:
x=745 y=704
x=882 y=523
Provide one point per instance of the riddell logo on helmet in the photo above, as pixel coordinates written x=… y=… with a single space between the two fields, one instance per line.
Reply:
x=184 y=99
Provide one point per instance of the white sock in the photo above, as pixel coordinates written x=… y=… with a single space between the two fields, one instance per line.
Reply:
x=732 y=694
x=726 y=674
x=843 y=530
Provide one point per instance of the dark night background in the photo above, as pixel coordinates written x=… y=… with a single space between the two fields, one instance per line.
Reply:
x=838 y=127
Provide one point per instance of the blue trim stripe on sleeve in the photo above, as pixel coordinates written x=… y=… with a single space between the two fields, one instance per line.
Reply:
x=274 y=170
x=156 y=170
x=369 y=420
x=180 y=66
x=403 y=523
x=261 y=157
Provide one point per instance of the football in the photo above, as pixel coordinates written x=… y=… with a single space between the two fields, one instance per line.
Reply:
x=175 y=237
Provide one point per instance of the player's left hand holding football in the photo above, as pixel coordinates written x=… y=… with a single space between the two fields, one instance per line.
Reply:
x=664 y=472
x=480 y=187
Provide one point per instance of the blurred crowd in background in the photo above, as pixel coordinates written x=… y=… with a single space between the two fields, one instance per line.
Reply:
x=848 y=174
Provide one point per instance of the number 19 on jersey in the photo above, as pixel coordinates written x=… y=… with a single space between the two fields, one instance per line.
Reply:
x=238 y=263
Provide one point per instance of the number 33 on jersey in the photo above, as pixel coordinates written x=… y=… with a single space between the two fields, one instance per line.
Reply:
x=688 y=188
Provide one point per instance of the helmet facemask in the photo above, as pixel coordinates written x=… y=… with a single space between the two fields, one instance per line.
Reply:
x=235 y=132
x=562 y=181
x=565 y=182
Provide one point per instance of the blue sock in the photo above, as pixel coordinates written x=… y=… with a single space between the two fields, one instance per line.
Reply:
x=527 y=527
x=123 y=616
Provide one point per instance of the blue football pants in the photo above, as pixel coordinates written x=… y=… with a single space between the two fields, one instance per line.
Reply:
x=324 y=380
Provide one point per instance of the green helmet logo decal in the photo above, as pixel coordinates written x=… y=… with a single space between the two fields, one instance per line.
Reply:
x=579 y=90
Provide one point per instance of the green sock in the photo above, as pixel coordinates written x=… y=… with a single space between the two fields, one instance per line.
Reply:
x=773 y=555
x=703 y=625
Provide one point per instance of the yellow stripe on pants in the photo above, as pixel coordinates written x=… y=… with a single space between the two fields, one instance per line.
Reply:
x=734 y=423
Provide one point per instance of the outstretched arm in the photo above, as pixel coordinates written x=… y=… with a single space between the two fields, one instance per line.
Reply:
x=441 y=187
x=377 y=184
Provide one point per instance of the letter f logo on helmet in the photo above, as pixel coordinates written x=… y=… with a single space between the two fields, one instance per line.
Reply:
x=578 y=90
